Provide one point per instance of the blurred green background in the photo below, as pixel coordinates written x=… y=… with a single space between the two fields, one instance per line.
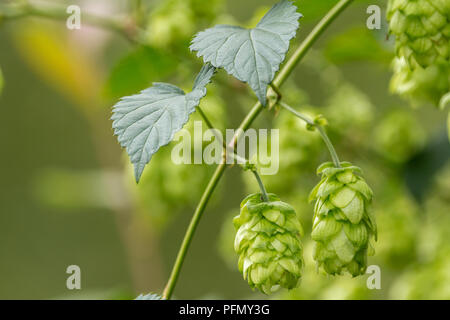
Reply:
x=67 y=193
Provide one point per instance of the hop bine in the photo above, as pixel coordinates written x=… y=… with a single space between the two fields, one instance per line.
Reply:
x=422 y=32
x=268 y=243
x=343 y=224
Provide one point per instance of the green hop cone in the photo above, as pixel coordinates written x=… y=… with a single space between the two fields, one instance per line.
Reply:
x=343 y=224
x=268 y=243
x=422 y=33
x=423 y=84
x=421 y=29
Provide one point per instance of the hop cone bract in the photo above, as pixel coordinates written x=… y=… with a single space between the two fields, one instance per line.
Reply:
x=422 y=33
x=343 y=223
x=268 y=243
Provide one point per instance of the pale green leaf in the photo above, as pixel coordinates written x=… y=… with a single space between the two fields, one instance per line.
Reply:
x=150 y=296
x=149 y=120
x=251 y=55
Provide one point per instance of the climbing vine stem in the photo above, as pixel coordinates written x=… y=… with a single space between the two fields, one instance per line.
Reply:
x=246 y=123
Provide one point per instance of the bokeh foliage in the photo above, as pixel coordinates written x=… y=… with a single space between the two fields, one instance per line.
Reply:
x=403 y=151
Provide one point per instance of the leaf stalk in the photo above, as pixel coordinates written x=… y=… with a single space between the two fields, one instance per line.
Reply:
x=319 y=128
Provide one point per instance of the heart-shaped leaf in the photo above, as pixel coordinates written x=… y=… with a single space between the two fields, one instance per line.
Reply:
x=251 y=55
x=147 y=121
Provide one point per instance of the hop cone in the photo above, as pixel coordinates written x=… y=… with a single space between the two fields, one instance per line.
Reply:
x=343 y=223
x=268 y=243
x=422 y=32
x=429 y=84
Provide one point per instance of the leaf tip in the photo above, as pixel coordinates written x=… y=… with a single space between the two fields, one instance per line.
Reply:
x=262 y=97
x=138 y=172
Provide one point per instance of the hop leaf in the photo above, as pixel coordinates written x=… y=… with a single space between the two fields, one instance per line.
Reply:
x=268 y=243
x=251 y=55
x=343 y=223
x=150 y=296
x=422 y=32
x=149 y=120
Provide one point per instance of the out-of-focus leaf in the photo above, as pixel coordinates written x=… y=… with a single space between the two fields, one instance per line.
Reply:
x=209 y=12
x=429 y=276
x=349 y=108
x=356 y=44
x=225 y=241
x=137 y=69
x=149 y=120
x=68 y=189
x=445 y=101
x=421 y=169
x=1 y=81
x=448 y=125
x=171 y=21
x=251 y=55
x=400 y=226
x=314 y=10
x=59 y=62
x=399 y=136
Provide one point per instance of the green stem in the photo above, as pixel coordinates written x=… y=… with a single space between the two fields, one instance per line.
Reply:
x=205 y=118
x=211 y=126
x=310 y=40
x=240 y=160
x=216 y=135
x=261 y=186
x=319 y=128
x=296 y=113
x=329 y=145
x=276 y=90
x=246 y=123
x=226 y=147
x=191 y=230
